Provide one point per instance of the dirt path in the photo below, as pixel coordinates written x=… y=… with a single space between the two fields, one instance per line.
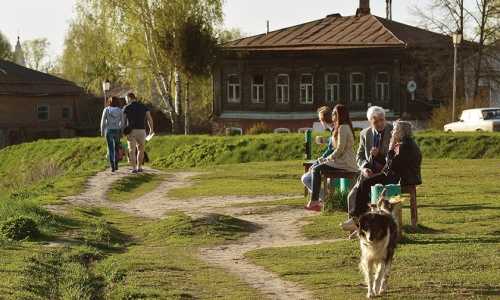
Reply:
x=276 y=228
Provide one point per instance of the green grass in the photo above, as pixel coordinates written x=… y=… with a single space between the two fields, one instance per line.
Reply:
x=454 y=254
x=250 y=179
x=133 y=187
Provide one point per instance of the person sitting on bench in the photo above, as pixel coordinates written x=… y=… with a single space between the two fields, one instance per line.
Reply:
x=371 y=155
x=402 y=166
x=342 y=158
x=325 y=117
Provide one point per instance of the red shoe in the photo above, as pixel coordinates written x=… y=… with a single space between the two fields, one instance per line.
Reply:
x=316 y=208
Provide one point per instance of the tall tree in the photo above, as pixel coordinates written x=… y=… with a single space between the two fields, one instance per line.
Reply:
x=5 y=47
x=486 y=17
x=141 y=39
x=36 y=53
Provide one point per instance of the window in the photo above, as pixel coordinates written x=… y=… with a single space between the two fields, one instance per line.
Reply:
x=258 y=89
x=42 y=112
x=66 y=113
x=357 y=87
x=332 y=84
x=282 y=89
x=382 y=86
x=306 y=89
x=233 y=89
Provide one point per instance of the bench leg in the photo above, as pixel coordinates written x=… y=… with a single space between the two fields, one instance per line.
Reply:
x=413 y=207
x=326 y=188
x=398 y=215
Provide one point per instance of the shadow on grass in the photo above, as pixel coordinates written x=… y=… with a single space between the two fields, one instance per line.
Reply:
x=462 y=207
x=418 y=240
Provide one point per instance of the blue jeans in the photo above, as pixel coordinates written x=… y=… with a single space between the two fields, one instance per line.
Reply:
x=113 y=140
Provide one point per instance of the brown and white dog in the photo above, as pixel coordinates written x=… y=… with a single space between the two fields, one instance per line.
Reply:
x=378 y=237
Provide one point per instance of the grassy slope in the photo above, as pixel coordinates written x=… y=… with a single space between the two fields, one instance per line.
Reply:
x=454 y=254
x=133 y=187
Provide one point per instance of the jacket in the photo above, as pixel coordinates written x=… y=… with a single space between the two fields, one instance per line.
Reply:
x=112 y=118
x=363 y=156
x=407 y=164
x=343 y=156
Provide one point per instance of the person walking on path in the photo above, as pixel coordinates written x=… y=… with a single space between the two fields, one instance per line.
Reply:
x=111 y=128
x=136 y=115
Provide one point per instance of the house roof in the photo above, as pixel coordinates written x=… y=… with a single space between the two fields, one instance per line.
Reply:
x=338 y=32
x=19 y=80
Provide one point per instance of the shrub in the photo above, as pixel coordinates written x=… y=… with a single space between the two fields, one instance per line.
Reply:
x=336 y=201
x=19 y=228
x=259 y=128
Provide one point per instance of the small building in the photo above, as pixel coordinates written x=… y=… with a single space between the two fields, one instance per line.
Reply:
x=281 y=77
x=36 y=105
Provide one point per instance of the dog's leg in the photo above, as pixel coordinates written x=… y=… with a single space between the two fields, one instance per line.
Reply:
x=369 y=276
x=379 y=275
x=364 y=267
x=385 y=278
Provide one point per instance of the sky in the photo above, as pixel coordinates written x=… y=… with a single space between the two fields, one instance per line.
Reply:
x=50 y=18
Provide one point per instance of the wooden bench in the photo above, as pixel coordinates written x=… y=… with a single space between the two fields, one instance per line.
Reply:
x=411 y=190
x=333 y=174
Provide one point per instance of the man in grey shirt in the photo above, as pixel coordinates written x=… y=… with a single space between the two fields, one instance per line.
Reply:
x=371 y=155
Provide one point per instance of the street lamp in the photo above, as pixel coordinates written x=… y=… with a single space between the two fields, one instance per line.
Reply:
x=106 y=86
x=457 y=40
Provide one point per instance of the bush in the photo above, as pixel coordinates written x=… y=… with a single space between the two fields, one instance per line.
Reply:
x=19 y=228
x=336 y=201
x=259 y=128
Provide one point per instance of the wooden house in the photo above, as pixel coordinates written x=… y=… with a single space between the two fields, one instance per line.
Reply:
x=36 y=105
x=281 y=77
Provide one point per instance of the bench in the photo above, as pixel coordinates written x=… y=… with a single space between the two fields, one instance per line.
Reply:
x=411 y=190
x=333 y=174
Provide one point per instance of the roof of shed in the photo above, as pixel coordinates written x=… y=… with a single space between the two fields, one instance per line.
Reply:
x=338 y=32
x=19 y=80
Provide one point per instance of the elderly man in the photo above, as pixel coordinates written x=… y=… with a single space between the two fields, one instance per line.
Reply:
x=371 y=156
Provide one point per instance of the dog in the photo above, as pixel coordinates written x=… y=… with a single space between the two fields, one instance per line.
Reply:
x=378 y=237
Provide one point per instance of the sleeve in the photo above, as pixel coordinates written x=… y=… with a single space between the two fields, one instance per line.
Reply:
x=341 y=144
x=103 y=121
x=361 y=154
x=329 y=150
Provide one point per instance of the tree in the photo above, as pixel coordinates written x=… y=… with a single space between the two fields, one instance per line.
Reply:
x=138 y=45
x=5 y=47
x=36 y=53
x=486 y=17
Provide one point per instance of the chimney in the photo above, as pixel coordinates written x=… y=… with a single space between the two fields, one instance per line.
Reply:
x=364 y=8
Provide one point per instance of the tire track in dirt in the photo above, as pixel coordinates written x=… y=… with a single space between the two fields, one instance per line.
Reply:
x=275 y=229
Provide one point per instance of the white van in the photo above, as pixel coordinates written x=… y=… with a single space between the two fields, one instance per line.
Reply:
x=478 y=119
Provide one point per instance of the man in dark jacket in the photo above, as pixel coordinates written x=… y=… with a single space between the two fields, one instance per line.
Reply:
x=403 y=166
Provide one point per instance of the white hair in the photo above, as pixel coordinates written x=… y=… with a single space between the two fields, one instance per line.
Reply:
x=375 y=111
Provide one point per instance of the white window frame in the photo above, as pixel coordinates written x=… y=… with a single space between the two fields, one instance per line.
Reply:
x=383 y=87
x=359 y=87
x=260 y=97
x=283 y=88
x=38 y=112
x=233 y=87
x=334 y=88
x=305 y=87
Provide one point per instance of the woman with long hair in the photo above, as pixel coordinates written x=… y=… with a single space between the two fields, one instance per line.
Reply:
x=111 y=127
x=342 y=158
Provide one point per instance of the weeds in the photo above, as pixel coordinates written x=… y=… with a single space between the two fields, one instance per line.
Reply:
x=336 y=201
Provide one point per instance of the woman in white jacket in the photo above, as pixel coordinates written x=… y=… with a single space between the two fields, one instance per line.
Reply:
x=342 y=158
x=111 y=127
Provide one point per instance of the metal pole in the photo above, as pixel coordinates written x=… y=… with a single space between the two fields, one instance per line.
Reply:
x=454 y=82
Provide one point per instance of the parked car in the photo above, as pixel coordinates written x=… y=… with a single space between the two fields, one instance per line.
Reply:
x=478 y=119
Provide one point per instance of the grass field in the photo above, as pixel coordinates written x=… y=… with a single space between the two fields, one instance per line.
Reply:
x=455 y=253
x=99 y=253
